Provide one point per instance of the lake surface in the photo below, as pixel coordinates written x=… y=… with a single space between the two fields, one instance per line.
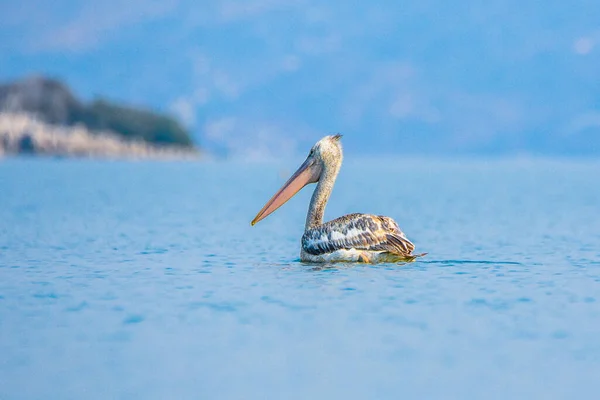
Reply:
x=145 y=280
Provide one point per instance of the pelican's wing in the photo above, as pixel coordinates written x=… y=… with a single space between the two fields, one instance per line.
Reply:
x=360 y=232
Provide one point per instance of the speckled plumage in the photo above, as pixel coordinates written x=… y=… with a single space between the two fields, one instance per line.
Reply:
x=365 y=237
x=357 y=231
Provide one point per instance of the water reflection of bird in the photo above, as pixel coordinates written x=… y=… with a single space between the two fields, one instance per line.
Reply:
x=353 y=237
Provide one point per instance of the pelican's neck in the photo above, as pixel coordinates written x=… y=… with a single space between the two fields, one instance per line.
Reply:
x=319 y=199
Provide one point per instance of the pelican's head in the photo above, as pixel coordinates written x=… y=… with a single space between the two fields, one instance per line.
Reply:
x=325 y=155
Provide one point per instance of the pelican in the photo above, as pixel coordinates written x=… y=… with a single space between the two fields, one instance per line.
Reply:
x=354 y=237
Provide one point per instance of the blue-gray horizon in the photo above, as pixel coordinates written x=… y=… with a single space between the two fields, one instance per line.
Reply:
x=266 y=78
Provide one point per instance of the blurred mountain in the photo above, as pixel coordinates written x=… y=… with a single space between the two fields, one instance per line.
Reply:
x=53 y=102
x=48 y=99
x=260 y=78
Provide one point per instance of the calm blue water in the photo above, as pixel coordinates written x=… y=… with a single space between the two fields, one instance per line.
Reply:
x=145 y=280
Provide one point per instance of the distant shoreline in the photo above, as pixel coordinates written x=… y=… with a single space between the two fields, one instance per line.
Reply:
x=24 y=134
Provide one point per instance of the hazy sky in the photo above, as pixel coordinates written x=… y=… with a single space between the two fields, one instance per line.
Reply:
x=269 y=77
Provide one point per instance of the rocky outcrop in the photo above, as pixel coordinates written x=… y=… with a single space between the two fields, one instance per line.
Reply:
x=52 y=102
x=25 y=134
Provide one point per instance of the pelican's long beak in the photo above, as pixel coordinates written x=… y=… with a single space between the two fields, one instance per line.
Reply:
x=309 y=172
